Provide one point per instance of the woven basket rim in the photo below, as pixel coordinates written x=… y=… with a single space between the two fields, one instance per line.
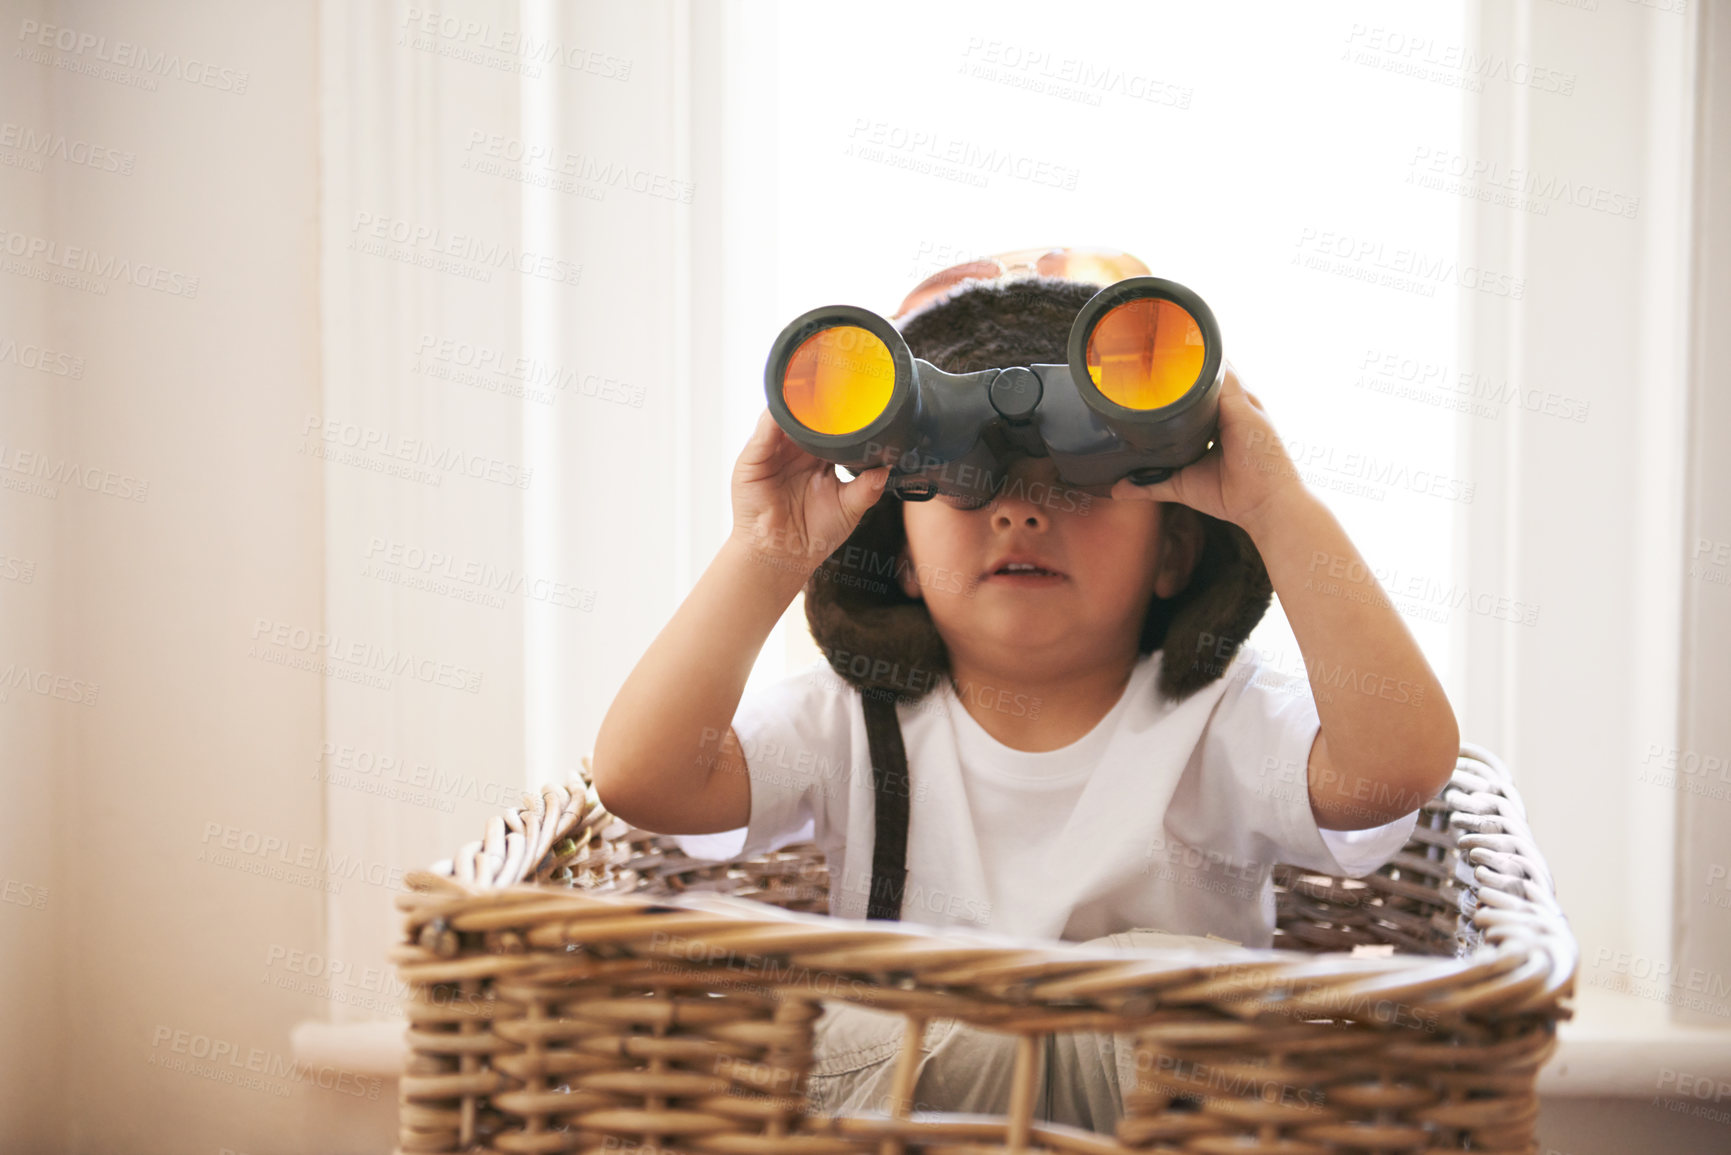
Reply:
x=1525 y=964
x=752 y=914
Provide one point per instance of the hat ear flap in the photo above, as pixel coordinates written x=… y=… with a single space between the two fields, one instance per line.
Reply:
x=873 y=635
x=1229 y=591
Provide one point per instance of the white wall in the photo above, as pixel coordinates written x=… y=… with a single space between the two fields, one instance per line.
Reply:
x=203 y=397
x=35 y=729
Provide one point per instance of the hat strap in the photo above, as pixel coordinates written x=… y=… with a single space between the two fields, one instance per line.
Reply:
x=892 y=791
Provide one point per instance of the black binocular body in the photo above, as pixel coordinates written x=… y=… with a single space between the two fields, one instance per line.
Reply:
x=1137 y=398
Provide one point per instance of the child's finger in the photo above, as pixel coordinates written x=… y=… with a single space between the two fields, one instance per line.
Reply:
x=764 y=442
x=1232 y=386
x=858 y=495
x=772 y=452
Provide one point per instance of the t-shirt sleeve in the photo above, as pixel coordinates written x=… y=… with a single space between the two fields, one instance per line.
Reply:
x=796 y=734
x=1254 y=763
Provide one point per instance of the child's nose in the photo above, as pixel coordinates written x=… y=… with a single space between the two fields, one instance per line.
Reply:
x=1023 y=497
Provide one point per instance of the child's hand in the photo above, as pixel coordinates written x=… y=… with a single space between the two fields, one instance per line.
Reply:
x=789 y=504
x=1241 y=476
x=1379 y=751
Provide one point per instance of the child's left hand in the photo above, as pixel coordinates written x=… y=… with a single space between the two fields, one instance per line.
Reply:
x=1240 y=478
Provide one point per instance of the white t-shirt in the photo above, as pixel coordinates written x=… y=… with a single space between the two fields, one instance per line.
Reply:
x=1166 y=815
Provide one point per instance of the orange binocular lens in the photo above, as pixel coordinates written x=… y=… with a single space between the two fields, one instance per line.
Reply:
x=839 y=380
x=1146 y=353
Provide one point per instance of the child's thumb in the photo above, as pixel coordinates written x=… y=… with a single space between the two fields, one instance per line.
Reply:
x=858 y=495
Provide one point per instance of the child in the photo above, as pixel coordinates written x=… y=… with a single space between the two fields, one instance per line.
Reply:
x=1089 y=754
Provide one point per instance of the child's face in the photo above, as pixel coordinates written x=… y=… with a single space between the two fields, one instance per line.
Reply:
x=1109 y=557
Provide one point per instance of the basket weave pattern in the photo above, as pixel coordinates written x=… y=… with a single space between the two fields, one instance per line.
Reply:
x=578 y=985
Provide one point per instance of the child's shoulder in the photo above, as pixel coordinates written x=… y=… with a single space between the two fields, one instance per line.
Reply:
x=812 y=679
x=1254 y=668
x=1249 y=678
x=811 y=696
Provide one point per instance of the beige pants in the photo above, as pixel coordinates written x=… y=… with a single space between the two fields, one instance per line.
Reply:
x=1081 y=1076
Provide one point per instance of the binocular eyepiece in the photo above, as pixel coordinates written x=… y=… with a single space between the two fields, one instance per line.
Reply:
x=1138 y=397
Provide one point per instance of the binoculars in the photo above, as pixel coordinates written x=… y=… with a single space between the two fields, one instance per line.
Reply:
x=1138 y=398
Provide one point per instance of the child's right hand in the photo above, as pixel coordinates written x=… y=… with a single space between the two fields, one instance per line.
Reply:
x=790 y=504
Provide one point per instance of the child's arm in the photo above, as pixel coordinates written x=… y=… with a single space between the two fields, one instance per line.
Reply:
x=1389 y=739
x=666 y=758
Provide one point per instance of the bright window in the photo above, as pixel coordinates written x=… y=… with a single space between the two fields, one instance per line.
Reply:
x=1294 y=202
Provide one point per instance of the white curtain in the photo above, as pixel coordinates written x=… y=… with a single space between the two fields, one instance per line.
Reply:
x=527 y=304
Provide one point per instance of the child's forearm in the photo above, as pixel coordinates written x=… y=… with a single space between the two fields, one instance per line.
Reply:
x=1389 y=738
x=661 y=741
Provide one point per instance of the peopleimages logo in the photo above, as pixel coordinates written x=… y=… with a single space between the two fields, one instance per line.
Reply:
x=367 y=987
x=329 y=437
x=1515 y=186
x=1424 y=58
x=440 y=572
x=1433 y=381
x=101 y=266
x=410 y=780
x=40 y=359
x=87 y=46
x=1375 y=261
x=72 y=150
x=299 y=863
x=483 y=255
x=35 y=680
x=322 y=648
x=47 y=474
x=1066 y=77
x=939 y=154
x=225 y=1061
x=435 y=29
x=917 y=898
x=533 y=163
x=494 y=370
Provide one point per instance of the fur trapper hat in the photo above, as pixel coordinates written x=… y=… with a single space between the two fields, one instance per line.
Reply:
x=883 y=642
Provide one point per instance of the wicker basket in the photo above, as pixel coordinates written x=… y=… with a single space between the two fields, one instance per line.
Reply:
x=577 y=985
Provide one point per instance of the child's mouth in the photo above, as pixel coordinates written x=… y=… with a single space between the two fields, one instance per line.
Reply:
x=1022 y=574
